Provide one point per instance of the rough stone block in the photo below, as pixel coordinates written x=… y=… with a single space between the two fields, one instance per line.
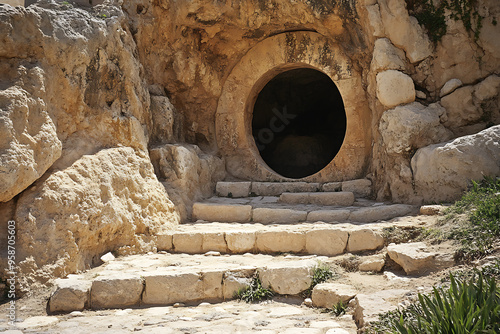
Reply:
x=329 y=294
x=383 y=212
x=364 y=239
x=222 y=212
x=332 y=186
x=119 y=291
x=372 y=263
x=70 y=295
x=269 y=216
x=164 y=242
x=332 y=198
x=328 y=215
x=413 y=257
x=188 y=242
x=277 y=188
x=233 y=189
x=235 y=281
x=287 y=279
x=431 y=210
x=275 y=241
x=214 y=241
x=169 y=288
x=240 y=241
x=328 y=242
x=294 y=198
x=360 y=188
x=212 y=285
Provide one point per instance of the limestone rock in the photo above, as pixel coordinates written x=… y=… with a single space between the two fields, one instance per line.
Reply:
x=240 y=241
x=165 y=288
x=188 y=172
x=167 y=122
x=449 y=87
x=413 y=257
x=280 y=240
x=110 y=200
x=287 y=280
x=360 y=187
x=394 y=88
x=329 y=294
x=367 y=307
x=222 y=212
x=328 y=242
x=233 y=189
x=431 y=210
x=371 y=214
x=442 y=171
x=375 y=20
x=364 y=239
x=272 y=215
x=404 y=30
x=188 y=242
x=120 y=291
x=29 y=144
x=488 y=88
x=460 y=107
x=234 y=282
x=70 y=295
x=328 y=216
x=373 y=263
x=412 y=126
x=387 y=57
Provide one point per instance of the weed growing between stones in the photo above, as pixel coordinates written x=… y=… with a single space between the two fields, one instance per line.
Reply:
x=481 y=229
x=339 y=309
x=466 y=306
x=321 y=274
x=254 y=292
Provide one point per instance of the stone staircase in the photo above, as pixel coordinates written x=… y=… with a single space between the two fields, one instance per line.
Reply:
x=280 y=231
x=295 y=202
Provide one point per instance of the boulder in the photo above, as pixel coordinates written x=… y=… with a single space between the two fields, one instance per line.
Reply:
x=329 y=294
x=404 y=30
x=460 y=108
x=387 y=57
x=443 y=171
x=107 y=201
x=375 y=20
x=29 y=144
x=413 y=257
x=412 y=126
x=394 y=88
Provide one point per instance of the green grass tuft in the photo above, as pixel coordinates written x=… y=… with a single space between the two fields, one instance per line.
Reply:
x=254 y=292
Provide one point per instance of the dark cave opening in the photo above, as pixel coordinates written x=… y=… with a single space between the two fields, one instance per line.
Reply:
x=299 y=122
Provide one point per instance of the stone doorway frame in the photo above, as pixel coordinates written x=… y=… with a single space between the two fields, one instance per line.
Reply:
x=274 y=55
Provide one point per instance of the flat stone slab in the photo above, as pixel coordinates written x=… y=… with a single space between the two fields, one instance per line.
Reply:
x=277 y=188
x=272 y=215
x=233 y=189
x=319 y=198
x=222 y=213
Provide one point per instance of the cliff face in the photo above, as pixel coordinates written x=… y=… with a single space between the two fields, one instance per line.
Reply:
x=103 y=108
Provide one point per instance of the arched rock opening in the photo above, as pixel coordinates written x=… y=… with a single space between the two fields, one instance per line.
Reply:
x=299 y=122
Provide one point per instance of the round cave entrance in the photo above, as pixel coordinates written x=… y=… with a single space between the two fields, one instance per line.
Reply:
x=299 y=122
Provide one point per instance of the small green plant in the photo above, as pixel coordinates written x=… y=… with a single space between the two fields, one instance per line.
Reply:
x=230 y=195
x=481 y=206
x=466 y=306
x=321 y=274
x=254 y=292
x=339 y=309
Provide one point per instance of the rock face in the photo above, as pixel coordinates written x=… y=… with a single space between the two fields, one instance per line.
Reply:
x=107 y=201
x=28 y=140
x=443 y=171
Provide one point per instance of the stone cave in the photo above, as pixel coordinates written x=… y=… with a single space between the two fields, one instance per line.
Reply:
x=299 y=122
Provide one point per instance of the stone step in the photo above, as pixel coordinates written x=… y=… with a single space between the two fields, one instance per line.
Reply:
x=360 y=188
x=305 y=238
x=341 y=198
x=166 y=279
x=270 y=210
